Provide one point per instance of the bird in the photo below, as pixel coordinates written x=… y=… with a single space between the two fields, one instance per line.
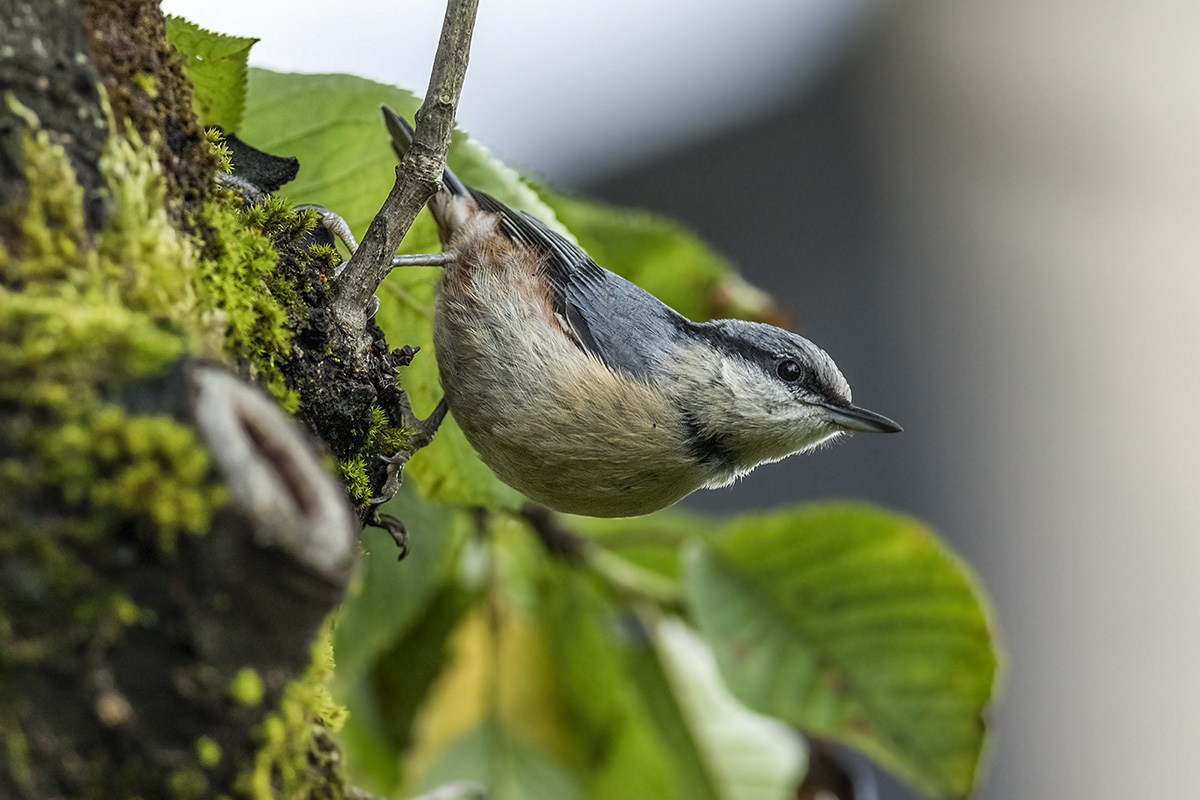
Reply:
x=591 y=396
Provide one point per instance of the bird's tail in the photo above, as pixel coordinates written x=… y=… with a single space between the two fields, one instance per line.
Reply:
x=402 y=138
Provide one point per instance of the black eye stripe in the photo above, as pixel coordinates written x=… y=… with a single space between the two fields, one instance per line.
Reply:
x=734 y=344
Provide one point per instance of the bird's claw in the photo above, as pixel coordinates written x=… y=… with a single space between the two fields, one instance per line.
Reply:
x=333 y=222
x=395 y=529
x=395 y=476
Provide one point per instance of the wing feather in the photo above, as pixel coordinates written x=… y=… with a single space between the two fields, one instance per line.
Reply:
x=609 y=317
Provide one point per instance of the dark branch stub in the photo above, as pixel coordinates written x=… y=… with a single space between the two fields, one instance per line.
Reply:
x=274 y=475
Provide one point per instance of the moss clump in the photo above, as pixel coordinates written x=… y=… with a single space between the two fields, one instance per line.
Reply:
x=243 y=295
x=353 y=472
x=208 y=752
x=52 y=229
x=326 y=254
x=79 y=323
x=148 y=470
x=283 y=766
x=247 y=688
x=93 y=492
x=382 y=437
x=217 y=143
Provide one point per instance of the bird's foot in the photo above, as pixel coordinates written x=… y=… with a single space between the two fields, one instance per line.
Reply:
x=333 y=222
x=423 y=431
x=395 y=476
x=395 y=529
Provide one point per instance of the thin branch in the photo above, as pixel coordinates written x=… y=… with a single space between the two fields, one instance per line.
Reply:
x=627 y=578
x=417 y=177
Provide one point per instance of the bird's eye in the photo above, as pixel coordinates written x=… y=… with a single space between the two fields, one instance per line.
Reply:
x=789 y=371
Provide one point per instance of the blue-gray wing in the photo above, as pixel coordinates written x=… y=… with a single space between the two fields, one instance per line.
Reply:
x=620 y=323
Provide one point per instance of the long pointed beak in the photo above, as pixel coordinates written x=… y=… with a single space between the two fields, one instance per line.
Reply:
x=853 y=418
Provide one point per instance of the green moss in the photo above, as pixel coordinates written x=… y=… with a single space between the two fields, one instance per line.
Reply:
x=282 y=766
x=16 y=750
x=254 y=307
x=188 y=783
x=145 y=264
x=148 y=470
x=125 y=610
x=60 y=353
x=354 y=474
x=327 y=254
x=53 y=231
x=77 y=324
x=383 y=436
x=80 y=319
x=237 y=262
x=208 y=752
x=276 y=218
x=216 y=143
x=247 y=687
x=147 y=83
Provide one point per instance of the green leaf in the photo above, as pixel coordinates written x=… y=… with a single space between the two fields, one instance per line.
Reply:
x=391 y=634
x=333 y=125
x=854 y=624
x=651 y=542
x=648 y=715
x=384 y=703
x=390 y=596
x=665 y=711
x=403 y=675
x=618 y=747
x=216 y=66
x=508 y=767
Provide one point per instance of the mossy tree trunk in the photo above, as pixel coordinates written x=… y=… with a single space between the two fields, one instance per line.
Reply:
x=170 y=542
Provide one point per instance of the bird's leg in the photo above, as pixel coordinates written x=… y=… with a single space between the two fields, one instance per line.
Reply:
x=423 y=431
x=423 y=260
x=425 y=428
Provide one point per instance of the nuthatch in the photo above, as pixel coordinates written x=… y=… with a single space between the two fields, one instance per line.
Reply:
x=589 y=394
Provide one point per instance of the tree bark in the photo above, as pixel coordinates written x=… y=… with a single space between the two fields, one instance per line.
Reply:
x=170 y=541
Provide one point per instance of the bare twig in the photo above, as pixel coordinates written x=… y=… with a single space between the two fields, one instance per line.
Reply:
x=417 y=177
x=629 y=579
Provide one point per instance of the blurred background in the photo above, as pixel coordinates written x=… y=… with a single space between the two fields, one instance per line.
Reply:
x=989 y=214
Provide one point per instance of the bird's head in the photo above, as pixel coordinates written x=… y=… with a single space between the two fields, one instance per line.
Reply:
x=775 y=393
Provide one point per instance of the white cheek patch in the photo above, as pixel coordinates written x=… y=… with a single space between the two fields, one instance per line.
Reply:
x=755 y=392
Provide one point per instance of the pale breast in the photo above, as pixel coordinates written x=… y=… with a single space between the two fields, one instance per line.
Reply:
x=550 y=420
